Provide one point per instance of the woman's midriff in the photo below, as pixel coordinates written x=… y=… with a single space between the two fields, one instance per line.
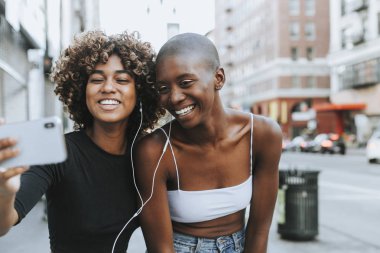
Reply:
x=210 y=229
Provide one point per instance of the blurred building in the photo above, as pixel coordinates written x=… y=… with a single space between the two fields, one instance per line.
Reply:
x=77 y=16
x=166 y=19
x=355 y=66
x=66 y=18
x=21 y=31
x=274 y=53
x=169 y=18
x=32 y=34
x=157 y=20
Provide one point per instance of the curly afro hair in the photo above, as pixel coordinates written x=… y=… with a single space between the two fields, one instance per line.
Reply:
x=76 y=63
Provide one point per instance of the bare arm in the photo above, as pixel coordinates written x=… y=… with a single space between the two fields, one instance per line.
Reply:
x=267 y=152
x=9 y=185
x=155 y=217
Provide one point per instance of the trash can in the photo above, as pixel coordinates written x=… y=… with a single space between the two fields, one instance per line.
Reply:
x=298 y=204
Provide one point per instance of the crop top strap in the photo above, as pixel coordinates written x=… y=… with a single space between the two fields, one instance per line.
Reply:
x=172 y=151
x=250 y=152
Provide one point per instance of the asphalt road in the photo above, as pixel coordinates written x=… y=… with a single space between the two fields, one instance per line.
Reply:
x=349 y=197
x=349 y=208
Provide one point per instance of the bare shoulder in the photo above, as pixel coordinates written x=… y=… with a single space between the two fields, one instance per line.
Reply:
x=151 y=145
x=239 y=118
x=146 y=156
x=266 y=126
x=262 y=126
x=267 y=132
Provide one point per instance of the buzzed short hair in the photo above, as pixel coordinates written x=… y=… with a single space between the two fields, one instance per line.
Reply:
x=193 y=44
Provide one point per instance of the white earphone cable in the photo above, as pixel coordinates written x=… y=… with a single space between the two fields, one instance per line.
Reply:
x=154 y=174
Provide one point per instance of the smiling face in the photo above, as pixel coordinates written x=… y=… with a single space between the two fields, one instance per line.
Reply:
x=187 y=87
x=110 y=92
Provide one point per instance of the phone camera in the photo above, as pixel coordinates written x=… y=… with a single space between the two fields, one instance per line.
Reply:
x=49 y=125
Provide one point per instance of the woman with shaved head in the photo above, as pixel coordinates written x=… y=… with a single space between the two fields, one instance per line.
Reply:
x=199 y=173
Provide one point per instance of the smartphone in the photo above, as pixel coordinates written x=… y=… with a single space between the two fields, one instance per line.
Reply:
x=39 y=141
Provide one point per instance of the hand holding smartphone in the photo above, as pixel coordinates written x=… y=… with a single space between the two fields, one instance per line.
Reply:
x=39 y=142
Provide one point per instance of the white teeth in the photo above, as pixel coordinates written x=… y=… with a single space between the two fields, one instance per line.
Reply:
x=185 y=110
x=109 y=102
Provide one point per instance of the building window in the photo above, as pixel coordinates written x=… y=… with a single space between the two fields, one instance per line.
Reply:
x=294 y=53
x=294 y=30
x=310 y=7
x=284 y=112
x=309 y=53
x=273 y=110
x=352 y=36
x=294 y=7
x=295 y=81
x=360 y=75
x=310 y=82
x=344 y=39
x=310 y=31
x=343 y=8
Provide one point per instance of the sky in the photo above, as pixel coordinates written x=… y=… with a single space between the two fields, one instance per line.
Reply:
x=132 y=15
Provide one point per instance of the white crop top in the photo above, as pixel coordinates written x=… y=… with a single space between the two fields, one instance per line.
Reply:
x=204 y=205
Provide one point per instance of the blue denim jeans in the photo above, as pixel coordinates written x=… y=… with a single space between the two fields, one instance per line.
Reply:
x=224 y=244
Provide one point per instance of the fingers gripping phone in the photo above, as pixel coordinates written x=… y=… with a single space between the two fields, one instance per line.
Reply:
x=39 y=141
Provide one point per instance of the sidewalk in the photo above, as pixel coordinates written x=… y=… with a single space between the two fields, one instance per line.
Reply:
x=328 y=240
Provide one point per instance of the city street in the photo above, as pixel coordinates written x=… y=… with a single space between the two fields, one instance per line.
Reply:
x=349 y=205
x=349 y=201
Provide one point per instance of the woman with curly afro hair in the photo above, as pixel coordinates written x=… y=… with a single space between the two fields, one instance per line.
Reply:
x=106 y=84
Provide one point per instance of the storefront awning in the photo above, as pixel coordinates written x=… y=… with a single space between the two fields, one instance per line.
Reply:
x=339 y=107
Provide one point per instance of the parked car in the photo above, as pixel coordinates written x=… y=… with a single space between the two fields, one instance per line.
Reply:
x=328 y=143
x=307 y=144
x=295 y=144
x=315 y=144
x=373 y=147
